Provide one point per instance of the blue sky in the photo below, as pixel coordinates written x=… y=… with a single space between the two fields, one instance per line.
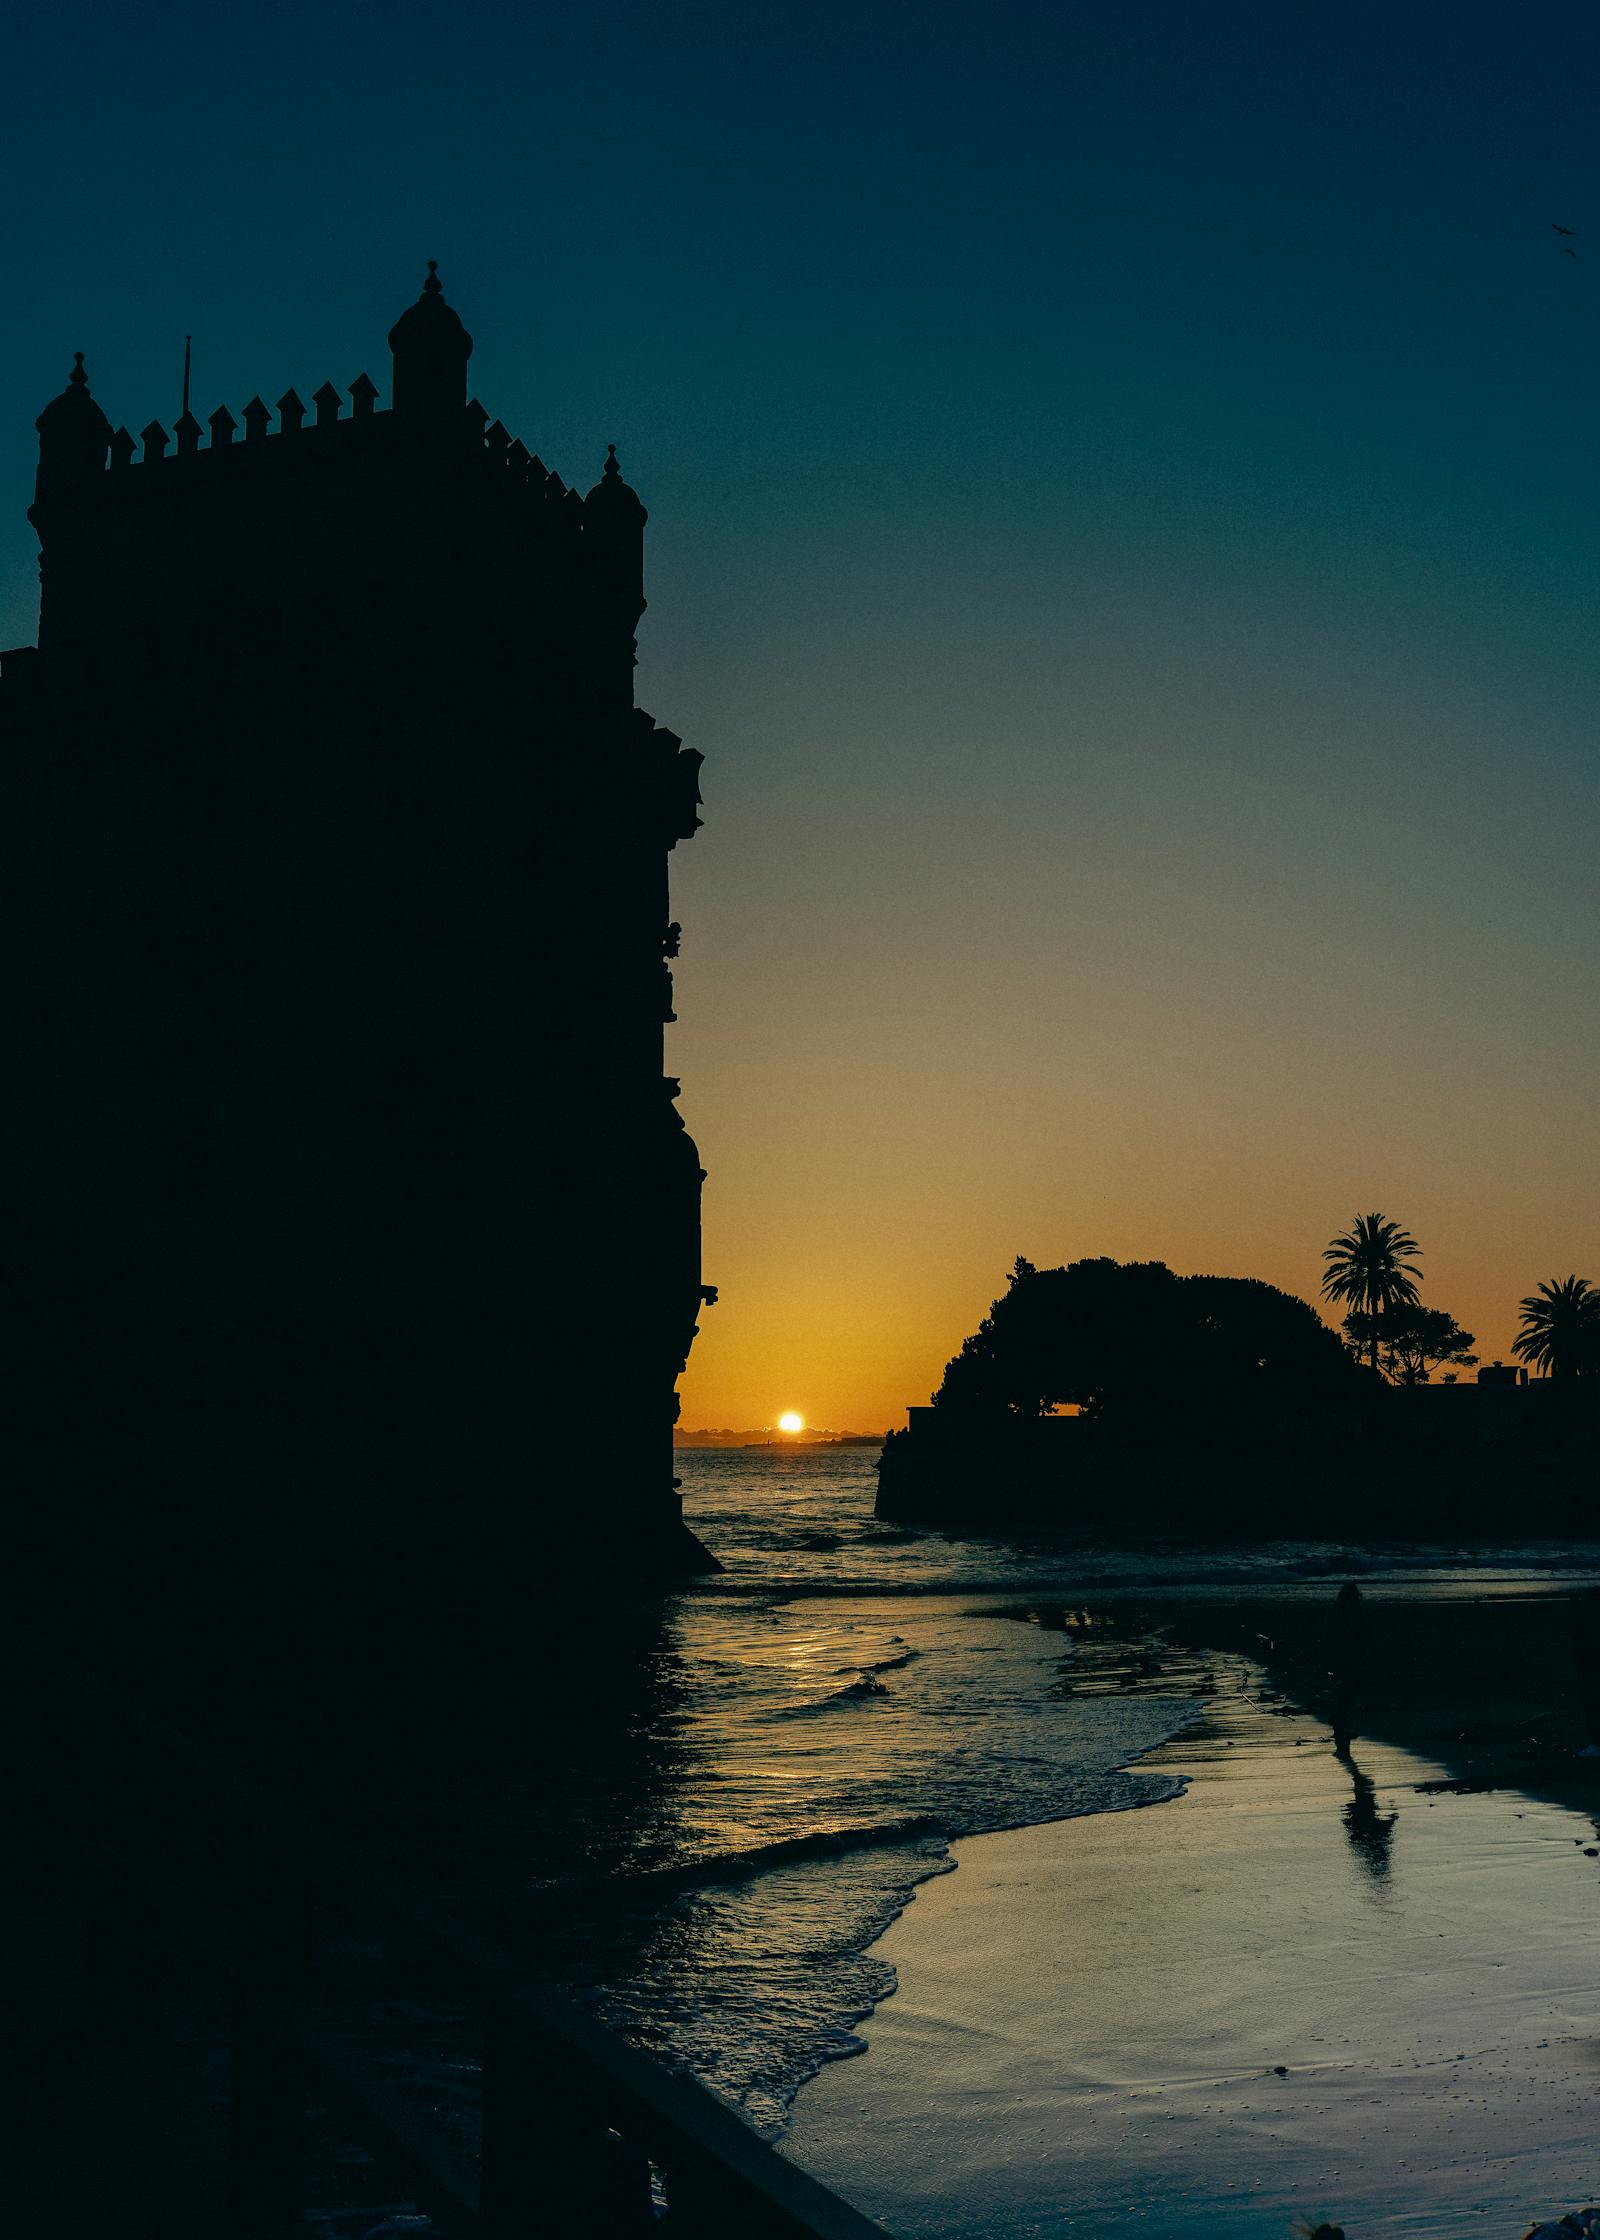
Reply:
x=1123 y=492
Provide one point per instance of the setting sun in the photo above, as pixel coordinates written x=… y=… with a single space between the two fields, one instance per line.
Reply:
x=789 y=1421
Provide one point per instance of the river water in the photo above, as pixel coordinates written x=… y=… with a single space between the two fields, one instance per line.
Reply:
x=779 y=1755
x=859 y=1694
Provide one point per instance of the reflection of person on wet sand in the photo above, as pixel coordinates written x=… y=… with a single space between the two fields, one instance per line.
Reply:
x=1347 y=1650
x=1371 y=1832
x=1586 y=1647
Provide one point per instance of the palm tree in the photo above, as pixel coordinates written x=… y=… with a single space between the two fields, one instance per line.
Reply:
x=1371 y=1267
x=1560 y=1332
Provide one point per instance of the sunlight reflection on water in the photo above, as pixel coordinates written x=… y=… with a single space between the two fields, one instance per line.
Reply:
x=778 y=1756
x=843 y=1676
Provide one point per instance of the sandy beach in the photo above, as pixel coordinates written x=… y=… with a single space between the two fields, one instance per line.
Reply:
x=1362 y=1988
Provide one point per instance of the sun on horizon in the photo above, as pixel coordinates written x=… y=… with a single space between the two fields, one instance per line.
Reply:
x=790 y=1421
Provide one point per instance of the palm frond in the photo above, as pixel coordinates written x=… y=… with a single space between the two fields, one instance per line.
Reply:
x=1560 y=1328
x=1372 y=1265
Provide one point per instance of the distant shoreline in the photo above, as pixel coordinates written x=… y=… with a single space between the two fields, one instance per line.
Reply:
x=702 y=1442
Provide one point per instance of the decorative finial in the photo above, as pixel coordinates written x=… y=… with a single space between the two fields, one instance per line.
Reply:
x=611 y=469
x=78 y=378
x=433 y=286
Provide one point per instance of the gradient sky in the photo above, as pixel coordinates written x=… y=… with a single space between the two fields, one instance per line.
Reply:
x=1124 y=535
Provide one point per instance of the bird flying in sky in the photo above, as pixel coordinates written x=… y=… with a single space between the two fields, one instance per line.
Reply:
x=1562 y=229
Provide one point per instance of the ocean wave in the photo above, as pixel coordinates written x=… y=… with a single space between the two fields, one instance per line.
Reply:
x=755 y=1964
x=758 y=1981
x=865 y=1688
x=791 y=1977
x=740 y=1865
x=712 y=1861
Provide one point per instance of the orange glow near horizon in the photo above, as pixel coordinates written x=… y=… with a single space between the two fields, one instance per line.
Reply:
x=873 y=1175
x=876 y=1340
x=789 y=1421
x=1174 y=886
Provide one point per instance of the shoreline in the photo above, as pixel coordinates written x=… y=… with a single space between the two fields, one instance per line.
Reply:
x=1016 y=2084
x=1066 y=1565
x=848 y=1883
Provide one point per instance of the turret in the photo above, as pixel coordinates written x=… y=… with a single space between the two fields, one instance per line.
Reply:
x=74 y=438
x=613 y=531
x=431 y=348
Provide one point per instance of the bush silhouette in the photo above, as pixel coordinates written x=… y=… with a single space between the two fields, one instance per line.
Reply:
x=1159 y=1360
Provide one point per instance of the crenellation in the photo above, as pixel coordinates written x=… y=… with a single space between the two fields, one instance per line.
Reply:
x=576 y=561
x=545 y=499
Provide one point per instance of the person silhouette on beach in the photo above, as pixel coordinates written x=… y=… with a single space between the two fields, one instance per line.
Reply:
x=1347 y=1653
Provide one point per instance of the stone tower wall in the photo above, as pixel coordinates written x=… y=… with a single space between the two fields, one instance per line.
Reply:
x=343 y=1187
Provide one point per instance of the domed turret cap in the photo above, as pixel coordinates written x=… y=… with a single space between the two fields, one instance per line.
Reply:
x=430 y=317
x=431 y=348
x=74 y=434
x=74 y=408
x=611 y=490
x=613 y=531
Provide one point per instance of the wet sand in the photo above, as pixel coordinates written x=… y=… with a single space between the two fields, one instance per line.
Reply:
x=1363 y=1988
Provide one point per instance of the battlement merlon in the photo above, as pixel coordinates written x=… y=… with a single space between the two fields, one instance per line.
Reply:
x=92 y=490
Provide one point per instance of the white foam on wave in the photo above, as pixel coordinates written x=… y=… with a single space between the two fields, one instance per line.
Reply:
x=756 y=1979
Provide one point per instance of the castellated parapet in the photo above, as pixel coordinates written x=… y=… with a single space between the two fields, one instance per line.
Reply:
x=335 y=903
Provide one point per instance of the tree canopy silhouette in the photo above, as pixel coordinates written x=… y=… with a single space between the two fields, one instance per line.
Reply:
x=1412 y=1341
x=1158 y=1359
x=1371 y=1268
x=1560 y=1333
